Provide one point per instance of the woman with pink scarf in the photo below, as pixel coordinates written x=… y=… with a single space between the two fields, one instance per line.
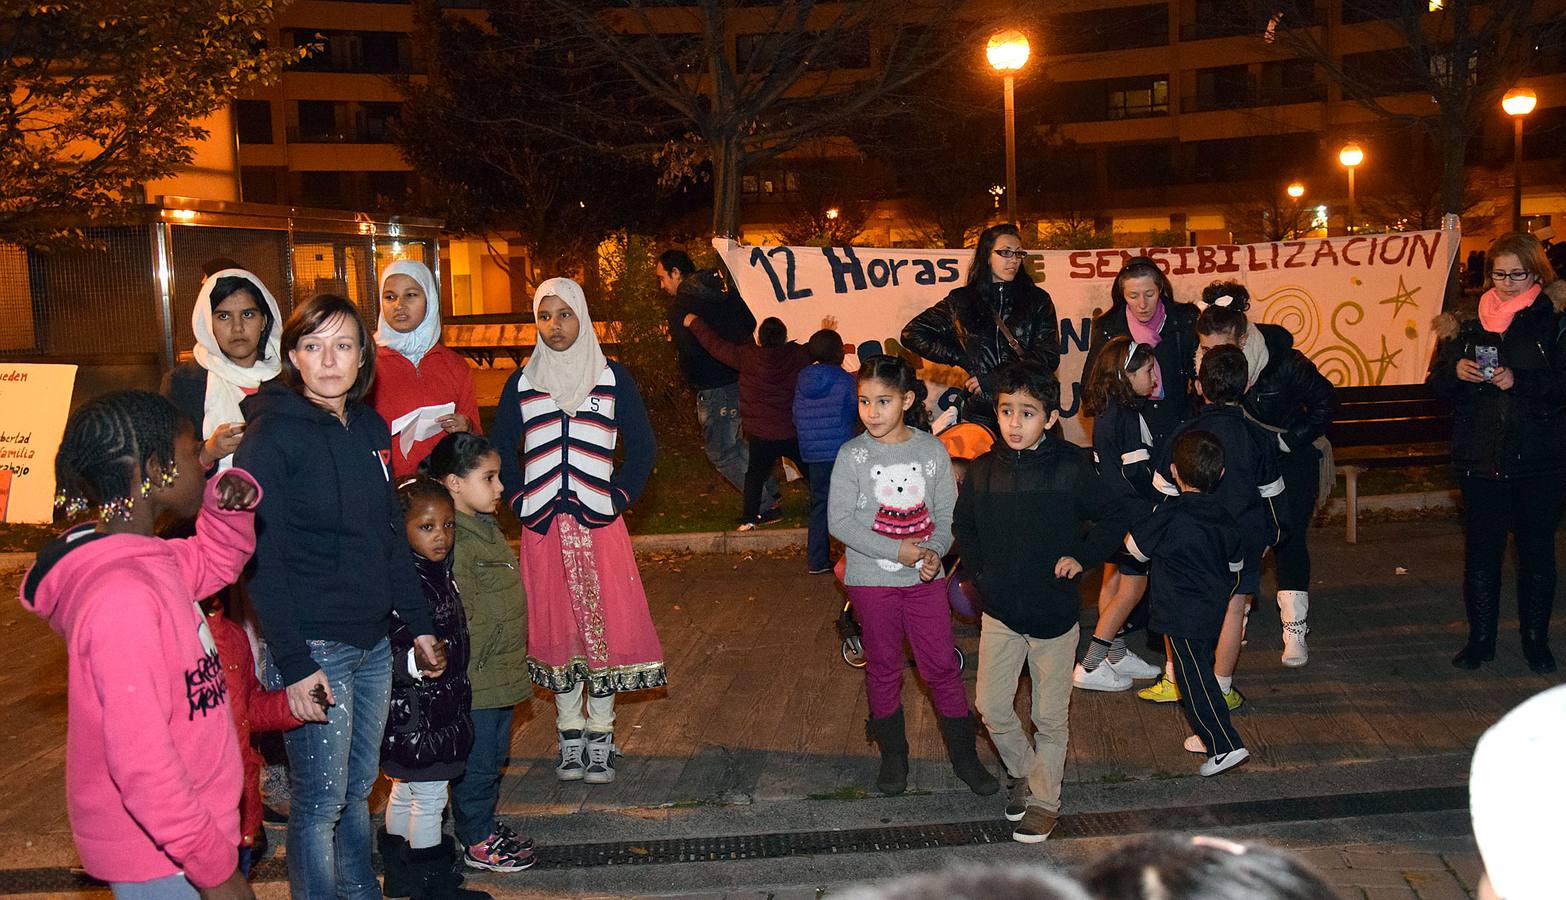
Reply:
x=1505 y=371
x=1143 y=308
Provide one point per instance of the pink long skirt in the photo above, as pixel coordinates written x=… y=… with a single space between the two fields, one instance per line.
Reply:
x=587 y=618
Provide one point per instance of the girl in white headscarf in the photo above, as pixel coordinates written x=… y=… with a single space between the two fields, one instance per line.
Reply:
x=413 y=369
x=238 y=330
x=559 y=423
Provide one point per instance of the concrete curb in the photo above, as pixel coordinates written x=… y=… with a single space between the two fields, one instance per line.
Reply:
x=1337 y=507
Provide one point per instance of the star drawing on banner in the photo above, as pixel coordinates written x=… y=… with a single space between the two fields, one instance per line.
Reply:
x=1387 y=359
x=1403 y=297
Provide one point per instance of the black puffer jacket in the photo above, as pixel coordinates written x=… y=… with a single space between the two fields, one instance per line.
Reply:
x=429 y=730
x=961 y=331
x=1520 y=433
x=1176 y=355
x=1290 y=393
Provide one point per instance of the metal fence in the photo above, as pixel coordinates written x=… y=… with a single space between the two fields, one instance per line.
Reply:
x=126 y=298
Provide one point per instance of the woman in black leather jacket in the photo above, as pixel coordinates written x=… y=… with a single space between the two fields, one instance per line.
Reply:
x=998 y=316
x=1141 y=293
x=1508 y=442
x=1289 y=397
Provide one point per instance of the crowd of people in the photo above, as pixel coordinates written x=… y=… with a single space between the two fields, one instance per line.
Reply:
x=336 y=571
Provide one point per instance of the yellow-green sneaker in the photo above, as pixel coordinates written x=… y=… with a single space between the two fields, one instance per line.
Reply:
x=1233 y=699
x=1162 y=691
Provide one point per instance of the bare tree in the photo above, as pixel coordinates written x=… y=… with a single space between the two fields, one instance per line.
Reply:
x=1265 y=212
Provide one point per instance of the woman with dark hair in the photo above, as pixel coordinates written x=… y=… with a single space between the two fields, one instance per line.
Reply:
x=331 y=563
x=235 y=321
x=1505 y=371
x=1143 y=308
x=998 y=316
x=1175 y=867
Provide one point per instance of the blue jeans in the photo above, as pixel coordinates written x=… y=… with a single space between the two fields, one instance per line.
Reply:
x=169 y=887
x=474 y=795
x=332 y=767
x=818 y=544
x=717 y=409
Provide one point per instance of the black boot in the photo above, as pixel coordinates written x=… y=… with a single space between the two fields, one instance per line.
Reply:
x=1482 y=598
x=889 y=733
x=960 y=736
x=434 y=871
x=396 y=880
x=1535 y=601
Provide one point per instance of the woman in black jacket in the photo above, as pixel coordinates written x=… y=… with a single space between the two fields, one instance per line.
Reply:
x=1506 y=374
x=1143 y=308
x=1288 y=396
x=1000 y=315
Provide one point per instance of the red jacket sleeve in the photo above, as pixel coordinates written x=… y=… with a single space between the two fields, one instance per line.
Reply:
x=721 y=350
x=269 y=710
x=467 y=397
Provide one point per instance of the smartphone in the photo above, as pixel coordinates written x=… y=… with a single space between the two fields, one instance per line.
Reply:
x=1488 y=358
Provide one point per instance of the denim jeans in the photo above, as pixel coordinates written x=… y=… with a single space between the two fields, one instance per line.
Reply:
x=818 y=544
x=332 y=767
x=475 y=794
x=717 y=409
x=169 y=887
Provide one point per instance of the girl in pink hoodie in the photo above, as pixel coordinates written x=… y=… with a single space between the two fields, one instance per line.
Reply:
x=152 y=763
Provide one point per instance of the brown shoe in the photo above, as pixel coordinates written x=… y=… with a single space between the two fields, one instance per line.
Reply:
x=1036 y=825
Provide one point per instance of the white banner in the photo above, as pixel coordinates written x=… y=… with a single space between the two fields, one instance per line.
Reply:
x=1360 y=306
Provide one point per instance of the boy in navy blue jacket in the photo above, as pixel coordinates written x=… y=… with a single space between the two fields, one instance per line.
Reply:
x=1196 y=552
x=825 y=414
x=1250 y=482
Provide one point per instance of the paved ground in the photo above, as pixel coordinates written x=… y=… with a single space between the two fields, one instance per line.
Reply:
x=761 y=733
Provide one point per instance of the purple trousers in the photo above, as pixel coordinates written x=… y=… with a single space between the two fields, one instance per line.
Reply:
x=888 y=616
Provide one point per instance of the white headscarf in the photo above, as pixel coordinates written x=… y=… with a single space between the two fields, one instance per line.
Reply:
x=413 y=344
x=567 y=375
x=226 y=379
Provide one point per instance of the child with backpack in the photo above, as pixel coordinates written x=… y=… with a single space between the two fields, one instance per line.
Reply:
x=825 y=415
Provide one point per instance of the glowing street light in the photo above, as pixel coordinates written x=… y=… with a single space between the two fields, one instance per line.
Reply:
x=1351 y=156
x=1007 y=52
x=1295 y=191
x=832 y=213
x=1518 y=103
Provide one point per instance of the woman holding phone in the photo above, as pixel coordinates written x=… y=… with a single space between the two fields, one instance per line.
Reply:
x=1505 y=372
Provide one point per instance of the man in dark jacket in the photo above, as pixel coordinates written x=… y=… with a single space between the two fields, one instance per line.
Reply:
x=716 y=385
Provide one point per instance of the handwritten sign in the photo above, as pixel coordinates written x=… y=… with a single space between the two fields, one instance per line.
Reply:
x=34 y=403
x=1359 y=306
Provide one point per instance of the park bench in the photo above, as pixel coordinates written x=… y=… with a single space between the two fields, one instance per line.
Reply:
x=482 y=338
x=1386 y=426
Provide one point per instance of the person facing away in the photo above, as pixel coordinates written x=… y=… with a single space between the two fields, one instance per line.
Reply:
x=1195 y=553
x=152 y=759
x=1032 y=515
x=825 y=415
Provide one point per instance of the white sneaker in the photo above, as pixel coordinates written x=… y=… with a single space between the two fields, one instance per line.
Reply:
x=1195 y=745
x=1133 y=666
x=1224 y=762
x=1103 y=678
x=1295 y=652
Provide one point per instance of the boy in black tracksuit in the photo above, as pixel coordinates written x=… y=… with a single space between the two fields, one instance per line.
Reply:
x=1196 y=552
x=1022 y=525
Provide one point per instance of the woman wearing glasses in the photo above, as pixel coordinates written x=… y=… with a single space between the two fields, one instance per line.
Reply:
x=998 y=316
x=1505 y=371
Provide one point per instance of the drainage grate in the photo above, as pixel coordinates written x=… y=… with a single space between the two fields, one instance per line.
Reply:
x=894 y=837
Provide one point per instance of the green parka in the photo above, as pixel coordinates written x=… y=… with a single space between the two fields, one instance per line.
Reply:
x=491 y=588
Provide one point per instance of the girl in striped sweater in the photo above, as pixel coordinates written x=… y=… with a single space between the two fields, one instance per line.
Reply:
x=588 y=630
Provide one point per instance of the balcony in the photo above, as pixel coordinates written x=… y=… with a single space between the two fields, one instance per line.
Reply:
x=1282 y=95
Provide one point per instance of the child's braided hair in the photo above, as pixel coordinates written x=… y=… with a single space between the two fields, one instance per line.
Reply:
x=107 y=444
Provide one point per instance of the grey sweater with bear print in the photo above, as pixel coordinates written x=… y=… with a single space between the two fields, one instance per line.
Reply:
x=884 y=493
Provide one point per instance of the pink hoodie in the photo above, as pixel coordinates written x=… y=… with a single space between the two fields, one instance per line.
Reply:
x=152 y=767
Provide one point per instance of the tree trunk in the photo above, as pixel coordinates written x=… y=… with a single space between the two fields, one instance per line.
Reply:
x=728 y=157
x=1454 y=155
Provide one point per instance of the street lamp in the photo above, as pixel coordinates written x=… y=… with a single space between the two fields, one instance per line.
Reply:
x=832 y=213
x=1351 y=156
x=1295 y=191
x=1007 y=52
x=1518 y=103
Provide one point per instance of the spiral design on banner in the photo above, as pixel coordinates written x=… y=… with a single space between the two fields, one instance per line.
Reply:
x=1294 y=309
x=1344 y=363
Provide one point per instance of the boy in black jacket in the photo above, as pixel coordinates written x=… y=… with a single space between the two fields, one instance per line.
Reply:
x=1197 y=553
x=1022 y=524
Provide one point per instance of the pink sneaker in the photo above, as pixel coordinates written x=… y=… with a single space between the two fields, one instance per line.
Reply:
x=498 y=854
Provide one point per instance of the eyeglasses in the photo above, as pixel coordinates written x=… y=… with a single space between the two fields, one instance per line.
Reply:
x=1012 y=254
x=1516 y=275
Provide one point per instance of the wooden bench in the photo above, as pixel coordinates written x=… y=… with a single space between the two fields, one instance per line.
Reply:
x=482 y=338
x=1386 y=426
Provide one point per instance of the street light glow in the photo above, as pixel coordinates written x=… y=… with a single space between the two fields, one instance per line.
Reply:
x=1351 y=155
x=1519 y=101
x=1296 y=190
x=832 y=213
x=1007 y=51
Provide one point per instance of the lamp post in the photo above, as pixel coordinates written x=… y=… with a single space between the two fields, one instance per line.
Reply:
x=1351 y=156
x=1007 y=52
x=1518 y=103
x=1295 y=191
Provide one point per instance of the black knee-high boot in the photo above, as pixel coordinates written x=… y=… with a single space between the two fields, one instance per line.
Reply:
x=961 y=737
x=889 y=732
x=1482 y=597
x=1535 y=601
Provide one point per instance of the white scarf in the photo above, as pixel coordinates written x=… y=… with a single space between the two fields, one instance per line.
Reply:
x=226 y=380
x=1254 y=346
x=413 y=344
x=567 y=375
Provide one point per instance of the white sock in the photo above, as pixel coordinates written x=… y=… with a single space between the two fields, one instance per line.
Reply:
x=1225 y=682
